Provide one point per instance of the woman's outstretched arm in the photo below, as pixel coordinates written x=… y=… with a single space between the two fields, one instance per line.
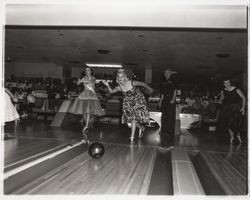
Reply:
x=116 y=89
x=142 y=84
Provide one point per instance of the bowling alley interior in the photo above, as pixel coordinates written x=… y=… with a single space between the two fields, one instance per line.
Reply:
x=49 y=150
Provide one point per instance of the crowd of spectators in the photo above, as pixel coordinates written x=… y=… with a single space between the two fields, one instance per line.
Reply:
x=25 y=89
x=208 y=107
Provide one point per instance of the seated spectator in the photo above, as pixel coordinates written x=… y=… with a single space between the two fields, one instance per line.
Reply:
x=198 y=106
x=71 y=85
x=36 y=85
x=31 y=102
x=190 y=101
x=14 y=91
x=22 y=84
x=211 y=115
x=58 y=87
x=22 y=103
x=20 y=95
x=29 y=84
x=183 y=104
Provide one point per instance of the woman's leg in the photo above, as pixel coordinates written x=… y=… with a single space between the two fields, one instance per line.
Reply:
x=239 y=137
x=133 y=128
x=91 y=120
x=87 y=121
x=231 y=133
x=239 y=127
x=138 y=125
x=141 y=129
x=235 y=126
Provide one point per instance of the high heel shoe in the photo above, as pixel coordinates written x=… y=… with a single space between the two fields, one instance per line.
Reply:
x=240 y=140
x=231 y=140
x=141 y=132
x=85 y=129
x=132 y=140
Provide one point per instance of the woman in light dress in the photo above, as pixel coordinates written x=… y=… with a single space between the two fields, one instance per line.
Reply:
x=87 y=103
x=10 y=112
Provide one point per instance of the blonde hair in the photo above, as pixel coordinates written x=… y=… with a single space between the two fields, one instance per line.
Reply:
x=121 y=72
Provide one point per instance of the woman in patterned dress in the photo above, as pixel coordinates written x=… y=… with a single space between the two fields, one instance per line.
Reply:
x=87 y=103
x=134 y=109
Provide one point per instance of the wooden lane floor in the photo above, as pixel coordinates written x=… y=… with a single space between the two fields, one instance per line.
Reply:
x=22 y=150
x=222 y=167
x=229 y=169
x=115 y=137
x=33 y=139
x=124 y=169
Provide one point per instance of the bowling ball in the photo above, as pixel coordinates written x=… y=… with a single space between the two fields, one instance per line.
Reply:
x=96 y=150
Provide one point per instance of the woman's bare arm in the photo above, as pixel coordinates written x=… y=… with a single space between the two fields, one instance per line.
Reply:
x=242 y=110
x=116 y=89
x=142 y=84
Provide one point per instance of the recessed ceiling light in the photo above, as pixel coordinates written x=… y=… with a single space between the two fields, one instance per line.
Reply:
x=203 y=67
x=104 y=65
x=222 y=55
x=46 y=59
x=74 y=62
x=219 y=37
x=103 y=51
x=134 y=64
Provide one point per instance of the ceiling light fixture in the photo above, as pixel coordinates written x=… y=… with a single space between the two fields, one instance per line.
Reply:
x=103 y=51
x=134 y=64
x=219 y=38
x=203 y=67
x=104 y=65
x=222 y=55
x=74 y=62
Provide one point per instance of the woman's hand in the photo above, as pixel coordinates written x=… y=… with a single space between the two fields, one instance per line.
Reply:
x=151 y=90
x=106 y=83
x=79 y=81
x=159 y=104
x=14 y=99
x=242 y=110
x=172 y=101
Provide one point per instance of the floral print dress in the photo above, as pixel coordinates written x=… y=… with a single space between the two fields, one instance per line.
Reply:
x=135 y=107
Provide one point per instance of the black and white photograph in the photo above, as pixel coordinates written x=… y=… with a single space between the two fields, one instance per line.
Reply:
x=130 y=99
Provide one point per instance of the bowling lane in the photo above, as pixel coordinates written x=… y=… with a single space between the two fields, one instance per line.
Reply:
x=23 y=149
x=33 y=139
x=124 y=169
x=36 y=138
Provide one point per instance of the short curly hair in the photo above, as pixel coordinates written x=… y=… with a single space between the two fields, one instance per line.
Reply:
x=83 y=73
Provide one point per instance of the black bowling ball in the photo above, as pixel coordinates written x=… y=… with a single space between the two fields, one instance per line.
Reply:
x=96 y=150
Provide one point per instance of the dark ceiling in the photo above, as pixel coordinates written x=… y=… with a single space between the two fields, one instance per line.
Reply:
x=197 y=54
